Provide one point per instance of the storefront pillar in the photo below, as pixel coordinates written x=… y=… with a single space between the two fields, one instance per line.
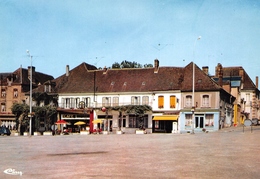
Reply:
x=91 y=118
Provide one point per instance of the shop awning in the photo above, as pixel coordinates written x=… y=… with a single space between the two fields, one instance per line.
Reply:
x=97 y=121
x=166 y=117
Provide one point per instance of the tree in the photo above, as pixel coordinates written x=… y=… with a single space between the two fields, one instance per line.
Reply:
x=148 y=65
x=127 y=64
x=21 y=112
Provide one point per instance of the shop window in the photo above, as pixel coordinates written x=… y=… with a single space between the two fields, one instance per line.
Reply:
x=123 y=121
x=172 y=101
x=156 y=124
x=188 y=119
x=145 y=100
x=160 y=101
x=209 y=121
x=136 y=121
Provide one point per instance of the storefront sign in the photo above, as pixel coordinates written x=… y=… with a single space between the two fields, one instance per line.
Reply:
x=69 y=116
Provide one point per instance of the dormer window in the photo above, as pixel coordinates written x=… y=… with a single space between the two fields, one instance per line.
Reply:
x=47 y=88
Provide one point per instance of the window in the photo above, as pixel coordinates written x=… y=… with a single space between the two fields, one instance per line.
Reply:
x=205 y=101
x=67 y=102
x=47 y=88
x=188 y=101
x=87 y=102
x=3 y=93
x=15 y=93
x=172 y=101
x=137 y=121
x=106 y=101
x=3 y=108
x=209 y=121
x=122 y=121
x=145 y=100
x=115 y=101
x=135 y=100
x=160 y=101
x=77 y=101
x=188 y=119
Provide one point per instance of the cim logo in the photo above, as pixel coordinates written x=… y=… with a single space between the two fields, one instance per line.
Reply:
x=11 y=171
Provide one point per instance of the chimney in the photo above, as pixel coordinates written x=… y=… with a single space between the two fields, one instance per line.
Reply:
x=67 y=70
x=156 y=65
x=205 y=69
x=241 y=74
x=104 y=70
x=33 y=73
x=219 y=74
x=21 y=74
x=256 y=82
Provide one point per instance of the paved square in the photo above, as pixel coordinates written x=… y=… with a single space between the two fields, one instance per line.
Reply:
x=229 y=153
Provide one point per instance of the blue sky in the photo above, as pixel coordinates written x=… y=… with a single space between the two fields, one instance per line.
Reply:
x=100 y=32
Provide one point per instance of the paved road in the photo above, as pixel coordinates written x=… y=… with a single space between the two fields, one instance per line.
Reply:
x=229 y=153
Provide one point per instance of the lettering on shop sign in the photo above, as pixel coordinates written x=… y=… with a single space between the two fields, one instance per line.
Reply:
x=11 y=171
x=69 y=116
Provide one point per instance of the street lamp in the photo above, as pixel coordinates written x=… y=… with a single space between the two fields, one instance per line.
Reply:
x=30 y=115
x=193 y=87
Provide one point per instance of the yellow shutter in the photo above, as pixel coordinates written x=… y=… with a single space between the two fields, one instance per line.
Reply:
x=160 y=101
x=172 y=101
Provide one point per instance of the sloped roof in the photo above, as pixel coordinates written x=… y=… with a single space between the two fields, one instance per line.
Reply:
x=16 y=75
x=234 y=72
x=81 y=80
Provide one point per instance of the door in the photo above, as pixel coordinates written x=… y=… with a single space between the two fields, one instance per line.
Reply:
x=199 y=121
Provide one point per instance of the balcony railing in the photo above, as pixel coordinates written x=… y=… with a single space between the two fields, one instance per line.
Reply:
x=95 y=105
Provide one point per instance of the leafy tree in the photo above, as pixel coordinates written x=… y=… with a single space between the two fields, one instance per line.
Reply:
x=21 y=112
x=148 y=65
x=127 y=64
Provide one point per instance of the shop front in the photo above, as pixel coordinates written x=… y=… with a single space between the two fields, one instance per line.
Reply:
x=165 y=124
x=76 y=122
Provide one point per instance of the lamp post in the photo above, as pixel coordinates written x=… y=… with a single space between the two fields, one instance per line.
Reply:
x=193 y=87
x=30 y=115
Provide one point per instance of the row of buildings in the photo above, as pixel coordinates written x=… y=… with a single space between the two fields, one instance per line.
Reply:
x=101 y=98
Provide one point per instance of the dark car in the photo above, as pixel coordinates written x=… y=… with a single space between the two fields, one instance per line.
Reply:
x=4 y=131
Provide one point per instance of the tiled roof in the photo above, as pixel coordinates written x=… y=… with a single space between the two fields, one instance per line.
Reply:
x=16 y=75
x=234 y=71
x=81 y=80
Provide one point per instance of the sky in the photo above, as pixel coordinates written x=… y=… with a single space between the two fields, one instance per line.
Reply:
x=101 y=32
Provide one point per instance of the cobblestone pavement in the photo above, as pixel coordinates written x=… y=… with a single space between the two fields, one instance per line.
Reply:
x=229 y=153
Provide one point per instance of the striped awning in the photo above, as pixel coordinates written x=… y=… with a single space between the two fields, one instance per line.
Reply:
x=166 y=117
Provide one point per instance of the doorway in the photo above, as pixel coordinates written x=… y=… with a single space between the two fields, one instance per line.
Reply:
x=199 y=121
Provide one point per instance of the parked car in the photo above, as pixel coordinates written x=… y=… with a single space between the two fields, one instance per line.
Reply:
x=4 y=131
